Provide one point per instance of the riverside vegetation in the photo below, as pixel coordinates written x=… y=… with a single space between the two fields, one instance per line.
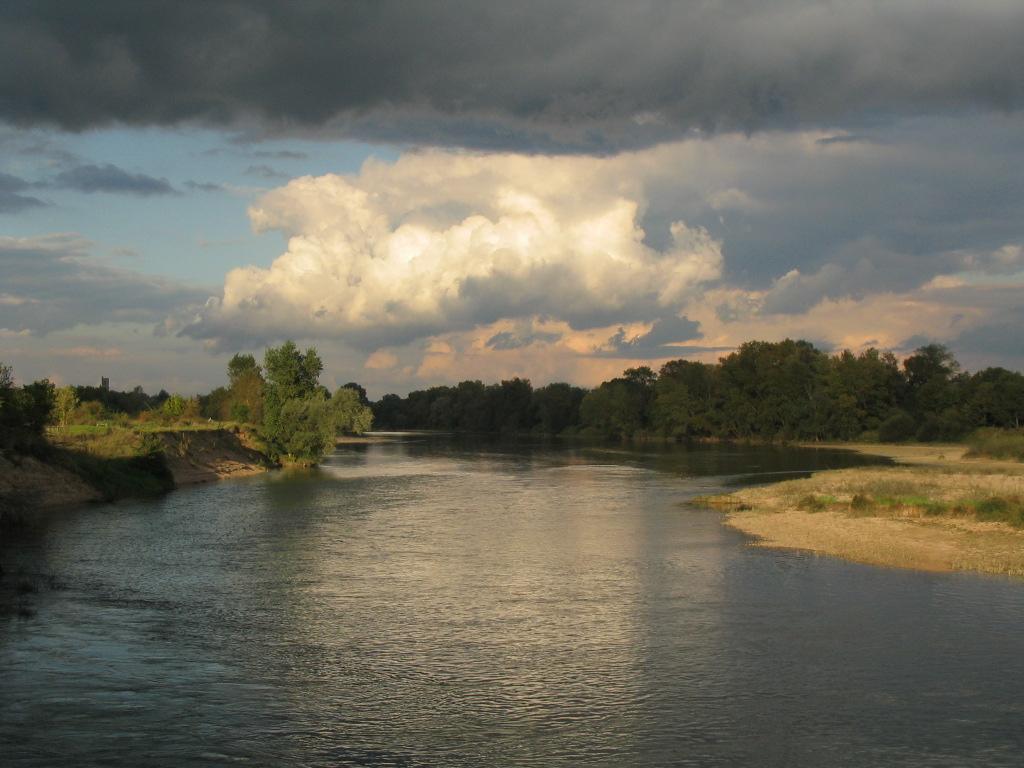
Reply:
x=786 y=390
x=84 y=443
x=122 y=442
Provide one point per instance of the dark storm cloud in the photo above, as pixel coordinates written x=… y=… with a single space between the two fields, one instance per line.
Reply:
x=280 y=154
x=505 y=340
x=11 y=198
x=110 y=178
x=558 y=73
x=659 y=342
x=50 y=283
x=265 y=172
x=204 y=186
x=268 y=154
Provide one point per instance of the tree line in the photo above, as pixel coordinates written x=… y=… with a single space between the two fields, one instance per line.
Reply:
x=787 y=390
x=296 y=417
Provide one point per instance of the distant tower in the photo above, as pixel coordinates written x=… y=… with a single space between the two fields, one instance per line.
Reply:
x=104 y=383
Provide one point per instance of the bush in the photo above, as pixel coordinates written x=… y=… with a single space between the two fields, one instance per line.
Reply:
x=861 y=502
x=1001 y=509
x=240 y=412
x=898 y=428
x=997 y=444
x=939 y=428
x=812 y=503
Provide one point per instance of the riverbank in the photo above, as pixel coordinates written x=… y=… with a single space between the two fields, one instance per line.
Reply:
x=936 y=510
x=124 y=463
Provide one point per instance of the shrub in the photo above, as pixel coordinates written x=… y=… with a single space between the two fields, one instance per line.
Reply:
x=240 y=412
x=997 y=444
x=1001 y=509
x=898 y=428
x=812 y=503
x=861 y=502
x=938 y=428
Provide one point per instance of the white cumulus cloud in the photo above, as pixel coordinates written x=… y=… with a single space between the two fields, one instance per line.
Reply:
x=446 y=241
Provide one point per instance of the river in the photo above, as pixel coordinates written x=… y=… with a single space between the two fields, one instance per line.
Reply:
x=442 y=602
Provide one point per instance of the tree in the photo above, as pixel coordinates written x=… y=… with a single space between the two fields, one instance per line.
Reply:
x=244 y=401
x=996 y=399
x=389 y=412
x=306 y=430
x=6 y=391
x=616 y=409
x=350 y=415
x=511 y=405
x=930 y=362
x=683 y=397
x=557 y=407
x=931 y=380
x=64 y=405
x=291 y=374
x=174 y=408
x=360 y=390
x=24 y=411
x=862 y=391
x=217 y=404
x=241 y=366
x=296 y=412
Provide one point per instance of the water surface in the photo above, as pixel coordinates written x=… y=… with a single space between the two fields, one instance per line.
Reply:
x=434 y=602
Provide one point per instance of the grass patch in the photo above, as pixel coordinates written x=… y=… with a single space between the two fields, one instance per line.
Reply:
x=990 y=509
x=997 y=444
x=118 y=462
x=996 y=509
x=815 y=502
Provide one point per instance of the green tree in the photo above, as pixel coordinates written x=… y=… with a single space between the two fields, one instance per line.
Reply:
x=930 y=379
x=683 y=399
x=6 y=391
x=216 y=405
x=241 y=366
x=511 y=406
x=64 y=405
x=244 y=402
x=350 y=415
x=616 y=409
x=996 y=399
x=360 y=390
x=296 y=412
x=292 y=374
x=174 y=408
x=557 y=407
x=306 y=429
x=24 y=411
x=862 y=391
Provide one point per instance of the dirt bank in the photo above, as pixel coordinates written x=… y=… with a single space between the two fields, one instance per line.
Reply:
x=207 y=455
x=27 y=482
x=124 y=464
x=938 y=511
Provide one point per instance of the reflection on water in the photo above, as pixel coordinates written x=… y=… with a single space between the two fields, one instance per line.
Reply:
x=444 y=602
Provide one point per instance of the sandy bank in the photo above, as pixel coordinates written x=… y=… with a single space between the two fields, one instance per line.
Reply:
x=27 y=482
x=203 y=456
x=118 y=466
x=914 y=515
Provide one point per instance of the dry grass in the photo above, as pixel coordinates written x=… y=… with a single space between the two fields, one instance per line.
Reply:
x=940 y=514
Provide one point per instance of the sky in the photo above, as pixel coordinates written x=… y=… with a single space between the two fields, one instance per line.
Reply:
x=430 y=192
